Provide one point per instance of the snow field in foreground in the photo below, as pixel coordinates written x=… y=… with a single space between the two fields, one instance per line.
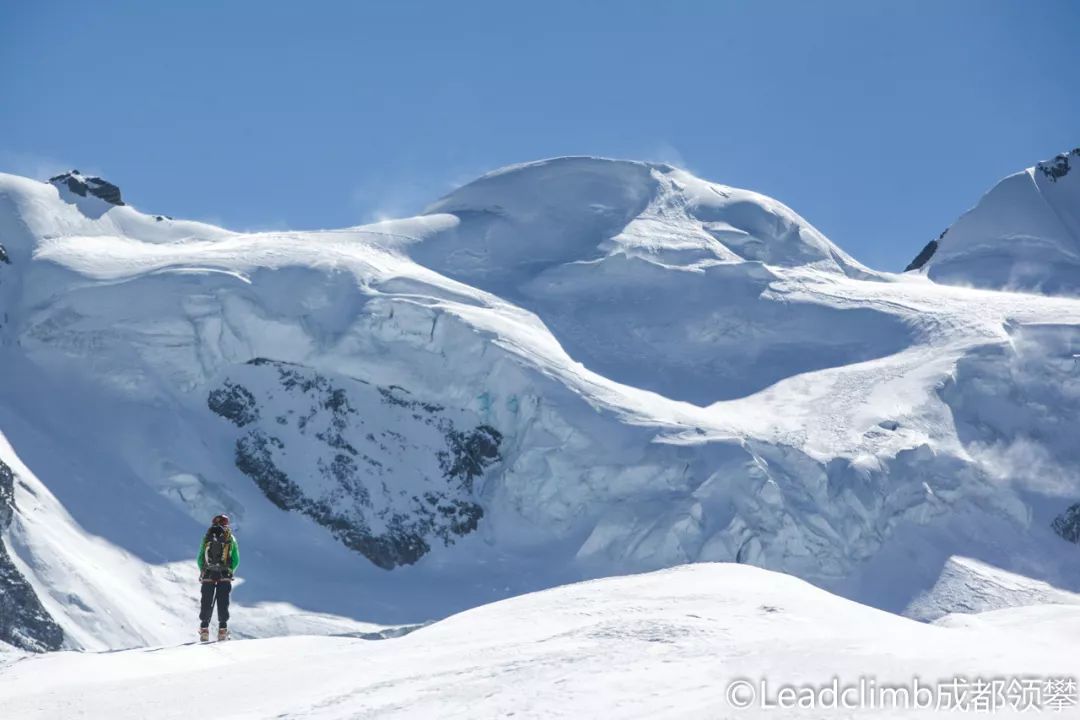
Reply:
x=667 y=644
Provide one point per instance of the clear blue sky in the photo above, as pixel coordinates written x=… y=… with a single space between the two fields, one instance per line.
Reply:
x=877 y=121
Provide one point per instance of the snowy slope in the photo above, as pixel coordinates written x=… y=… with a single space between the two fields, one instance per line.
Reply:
x=970 y=586
x=1023 y=235
x=567 y=369
x=609 y=253
x=663 y=645
x=102 y=596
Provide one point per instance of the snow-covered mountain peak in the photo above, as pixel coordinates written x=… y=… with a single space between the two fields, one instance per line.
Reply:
x=624 y=261
x=1024 y=234
x=571 y=367
x=522 y=221
x=73 y=206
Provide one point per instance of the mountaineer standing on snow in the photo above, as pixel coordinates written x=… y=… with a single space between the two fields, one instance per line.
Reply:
x=218 y=559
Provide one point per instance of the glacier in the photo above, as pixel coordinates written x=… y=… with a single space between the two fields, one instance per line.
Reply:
x=566 y=369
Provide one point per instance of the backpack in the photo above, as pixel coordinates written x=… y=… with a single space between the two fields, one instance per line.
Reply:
x=218 y=544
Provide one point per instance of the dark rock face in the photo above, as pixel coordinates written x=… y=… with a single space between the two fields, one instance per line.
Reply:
x=24 y=623
x=235 y=403
x=387 y=474
x=81 y=186
x=1067 y=524
x=4 y=258
x=1058 y=167
x=470 y=454
x=7 y=495
x=926 y=253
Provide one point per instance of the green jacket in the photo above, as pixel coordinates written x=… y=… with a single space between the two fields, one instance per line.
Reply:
x=233 y=552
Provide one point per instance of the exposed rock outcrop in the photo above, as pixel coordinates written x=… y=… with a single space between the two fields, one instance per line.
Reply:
x=925 y=254
x=24 y=623
x=1059 y=166
x=387 y=474
x=82 y=185
x=1067 y=524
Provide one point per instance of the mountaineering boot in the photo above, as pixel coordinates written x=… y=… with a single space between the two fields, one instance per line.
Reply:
x=222 y=634
x=204 y=634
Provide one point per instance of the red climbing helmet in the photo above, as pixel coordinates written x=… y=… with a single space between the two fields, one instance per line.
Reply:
x=222 y=519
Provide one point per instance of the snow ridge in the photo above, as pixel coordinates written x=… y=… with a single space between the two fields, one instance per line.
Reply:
x=659 y=645
x=1024 y=234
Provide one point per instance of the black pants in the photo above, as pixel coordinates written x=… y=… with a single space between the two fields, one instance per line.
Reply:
x=219 y=590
